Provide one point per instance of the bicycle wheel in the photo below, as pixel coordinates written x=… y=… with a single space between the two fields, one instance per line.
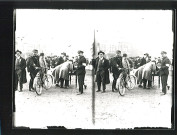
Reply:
x=38 y=87
x=131 y=82
x=121 y=86
x=48 y=81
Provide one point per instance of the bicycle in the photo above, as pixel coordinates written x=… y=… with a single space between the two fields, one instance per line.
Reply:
x=124 y=81
x=45 y=82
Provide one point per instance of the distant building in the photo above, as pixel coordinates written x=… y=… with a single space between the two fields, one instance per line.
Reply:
x=124 y=47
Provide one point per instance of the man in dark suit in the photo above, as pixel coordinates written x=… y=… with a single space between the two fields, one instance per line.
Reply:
x=164 y=71
x=116 y=65
x=80 y=71
x=33 y=67
x=60 y=60
x=101 y=71
x=20 y=72
x=145 y=59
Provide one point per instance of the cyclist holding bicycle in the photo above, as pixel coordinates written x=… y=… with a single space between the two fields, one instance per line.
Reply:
x=33 y=67
x=127 y=64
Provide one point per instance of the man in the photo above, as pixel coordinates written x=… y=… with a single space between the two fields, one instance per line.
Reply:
x=137 y=62
x=60 y=59
x=80 y=70
x=164 y=71
x=147 y=74
x=144 y=60
x=33 y=67
x=116 y=64
x=101 y=71
x=43 y=65
x=20 y=72
x=126 y=63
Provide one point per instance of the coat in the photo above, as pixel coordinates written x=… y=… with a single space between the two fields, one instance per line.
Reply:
x=21 y=69
x=115 y=63
x=32 y=63
x=143 y=61
x=62 y=70
x=139 y=73
x=81 y=63
x=43 y=64
x=164 y=69
x=105 y=69
x=147 y=71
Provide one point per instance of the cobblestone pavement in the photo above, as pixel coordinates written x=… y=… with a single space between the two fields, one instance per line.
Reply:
x=62 y=107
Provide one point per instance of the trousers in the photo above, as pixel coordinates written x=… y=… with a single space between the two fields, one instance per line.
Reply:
x=62 y=82
x=32 y=76
x=18 y=80
x=164 y=79
x=81 y=82
x=145 y=82
x=101 y=80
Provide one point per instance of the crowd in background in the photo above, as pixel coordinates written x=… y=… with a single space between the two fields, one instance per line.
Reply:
x=62 y=65
x=145 y=68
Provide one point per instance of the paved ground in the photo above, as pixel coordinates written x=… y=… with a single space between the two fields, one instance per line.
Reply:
x=62 y=107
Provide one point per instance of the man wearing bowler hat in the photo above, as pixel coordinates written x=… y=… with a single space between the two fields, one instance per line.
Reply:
x=80 y=70
x=20 y=72
x=101 y=71
x=33 y=67
x=164 y=71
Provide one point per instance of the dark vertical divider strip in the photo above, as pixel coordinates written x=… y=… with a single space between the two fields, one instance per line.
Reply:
x=6 y=56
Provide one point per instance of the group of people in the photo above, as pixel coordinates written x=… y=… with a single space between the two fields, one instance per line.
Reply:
x=61 y=72
x=62 y=66
x=116 y=65
x=160 y=66
x=119 y=64
x=34 y=64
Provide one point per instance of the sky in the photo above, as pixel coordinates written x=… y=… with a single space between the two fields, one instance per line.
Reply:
x=72 y=30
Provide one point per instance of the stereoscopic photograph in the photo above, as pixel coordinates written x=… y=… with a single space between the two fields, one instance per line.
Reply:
x=93 y=69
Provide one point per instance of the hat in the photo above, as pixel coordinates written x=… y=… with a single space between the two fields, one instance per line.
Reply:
x=18 y=51
x=146 y=54
x=63 y=53
x=35 y=50
x=101 y=52
x=41 y=54
x=80 y=51
x=118 y=51
x=124 y=55
x=163 y=52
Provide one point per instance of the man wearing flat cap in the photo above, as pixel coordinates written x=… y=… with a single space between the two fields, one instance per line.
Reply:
x=80 y=70
x=116 y=64
x=101 y=71
x=33 y=67
x=20 y=72
x=164 y=71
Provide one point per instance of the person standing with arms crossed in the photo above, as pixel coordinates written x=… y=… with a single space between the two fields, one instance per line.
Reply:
x=80 y=70
x=164 y=71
